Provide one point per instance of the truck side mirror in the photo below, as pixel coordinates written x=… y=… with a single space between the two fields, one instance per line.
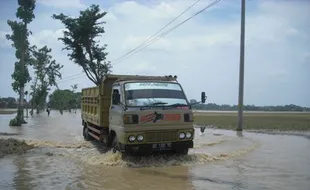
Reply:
x=203 y=97
x=116 y=98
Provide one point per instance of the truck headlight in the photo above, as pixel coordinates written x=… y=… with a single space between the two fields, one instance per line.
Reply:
x=188 y=135
x=131 y=138
x=182 y=135
x=140 y=138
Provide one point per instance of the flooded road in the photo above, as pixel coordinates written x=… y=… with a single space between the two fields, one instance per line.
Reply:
x=220 y=160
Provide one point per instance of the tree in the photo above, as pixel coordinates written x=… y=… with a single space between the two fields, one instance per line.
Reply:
x=80 y=39
x=8 y=102
x=46 y=73
x=62 y=100
x=193 y=101
x=19 y=37
x=74 y=100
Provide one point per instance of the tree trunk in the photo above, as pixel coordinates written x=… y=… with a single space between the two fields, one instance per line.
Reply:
x=20 y=114
x=34 y=94
x=19 y=111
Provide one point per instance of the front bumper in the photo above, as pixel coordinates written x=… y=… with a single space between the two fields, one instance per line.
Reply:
x=174 y=146
x=157 y=136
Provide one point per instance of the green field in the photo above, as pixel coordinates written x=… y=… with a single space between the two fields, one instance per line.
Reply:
x=298 y=121
x=282 y=121
x=8 y=111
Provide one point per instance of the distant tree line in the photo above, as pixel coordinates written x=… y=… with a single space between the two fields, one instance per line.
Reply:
x=68 y=99
x=59 y=100
x=226 y=107
x=9 y=102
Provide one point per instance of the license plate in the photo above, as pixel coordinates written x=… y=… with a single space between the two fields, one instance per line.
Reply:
x=162 y=146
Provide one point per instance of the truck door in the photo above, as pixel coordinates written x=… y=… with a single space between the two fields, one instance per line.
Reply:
x=116 y=110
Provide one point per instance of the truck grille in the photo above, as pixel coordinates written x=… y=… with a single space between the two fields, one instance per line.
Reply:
x=161 y=136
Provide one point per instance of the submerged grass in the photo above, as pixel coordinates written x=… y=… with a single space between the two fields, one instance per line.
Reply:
x=7 y=111
x=13 y=146
x=297 y=121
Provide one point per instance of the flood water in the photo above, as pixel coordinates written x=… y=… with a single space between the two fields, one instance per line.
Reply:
x=221 y=159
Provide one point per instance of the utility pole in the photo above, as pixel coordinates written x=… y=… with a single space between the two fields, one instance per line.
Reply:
x=241 y=69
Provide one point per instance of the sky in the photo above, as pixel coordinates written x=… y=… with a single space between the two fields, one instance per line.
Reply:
x=203 y=52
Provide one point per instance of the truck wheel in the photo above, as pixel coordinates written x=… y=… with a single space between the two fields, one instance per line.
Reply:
x=115 y=145
x=110 y=141
x=87 y=137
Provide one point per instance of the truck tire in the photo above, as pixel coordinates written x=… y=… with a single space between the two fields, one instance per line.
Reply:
x=87 y=137
x=110 y=141
x=115 y=145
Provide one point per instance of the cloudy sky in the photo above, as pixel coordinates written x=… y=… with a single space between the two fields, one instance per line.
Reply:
x=203 y=53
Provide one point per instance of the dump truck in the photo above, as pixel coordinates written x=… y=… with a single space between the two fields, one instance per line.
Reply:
x=138 y=114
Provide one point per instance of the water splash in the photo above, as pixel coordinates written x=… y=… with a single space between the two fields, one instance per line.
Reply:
x=52 y=144
x=220 y=141
x=87 y=153
x=116 y=159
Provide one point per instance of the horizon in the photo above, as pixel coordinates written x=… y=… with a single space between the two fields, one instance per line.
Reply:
x=200 y=103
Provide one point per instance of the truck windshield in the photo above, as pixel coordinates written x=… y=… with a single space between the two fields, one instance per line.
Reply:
x=154 y=93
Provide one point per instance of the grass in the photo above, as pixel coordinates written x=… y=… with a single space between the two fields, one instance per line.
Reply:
x=7 y=111
x=299 y=121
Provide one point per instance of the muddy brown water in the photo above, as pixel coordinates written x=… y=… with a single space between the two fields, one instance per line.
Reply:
x=220 y=160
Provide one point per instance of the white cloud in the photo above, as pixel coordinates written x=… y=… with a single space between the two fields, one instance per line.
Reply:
x=204 y=52
x=62 y=4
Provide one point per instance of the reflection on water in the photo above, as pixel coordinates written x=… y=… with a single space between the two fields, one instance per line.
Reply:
x=22 y=177
x=220 y=160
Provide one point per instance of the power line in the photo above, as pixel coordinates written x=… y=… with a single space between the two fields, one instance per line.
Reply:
x=60 y=80
x=173 y=28
x=71 y=78
x=148 y=42
x=119 y=58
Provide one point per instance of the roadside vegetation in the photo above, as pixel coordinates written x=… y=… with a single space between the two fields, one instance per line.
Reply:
x=299 y=121
x=13 y=146
x=80 y=40
x=67 y=99
x=47 y=71
x=19 y=39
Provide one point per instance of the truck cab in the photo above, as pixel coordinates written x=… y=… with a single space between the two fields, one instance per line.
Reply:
x=145 y=114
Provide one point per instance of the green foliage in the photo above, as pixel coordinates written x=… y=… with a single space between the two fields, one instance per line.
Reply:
x=65 y=100
x=13 y=122
x=80 y=39
x=46 y=71
x=20 y=78
x=226 y=107
x=25 y=10
x=8 y=102
x=19 y=37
